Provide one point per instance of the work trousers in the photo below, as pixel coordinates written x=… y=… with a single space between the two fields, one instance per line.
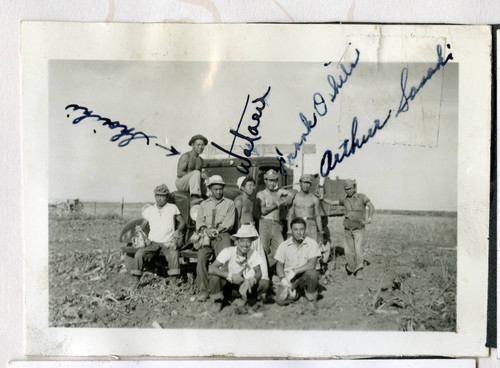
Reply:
x=204 y=254
x=307 y=281
x=271 y=236
x=312 y=229
x=147 y=253
x=257 y=246
x=353 y=248
x=190 y=182
x=221 y=288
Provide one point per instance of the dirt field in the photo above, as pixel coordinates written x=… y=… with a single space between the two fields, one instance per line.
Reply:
x=409 y=285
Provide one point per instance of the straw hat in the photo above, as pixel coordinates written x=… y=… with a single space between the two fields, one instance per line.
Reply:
x=215 y=179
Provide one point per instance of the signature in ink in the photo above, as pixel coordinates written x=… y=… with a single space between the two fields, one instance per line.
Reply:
x=355 y=143
x=329 y=161
x=128 y=133
x=245 y=164
x=403 y=103
x=320 y=108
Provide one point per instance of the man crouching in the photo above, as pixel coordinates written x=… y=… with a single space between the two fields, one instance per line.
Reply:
x=239 y=269
x=296 y=261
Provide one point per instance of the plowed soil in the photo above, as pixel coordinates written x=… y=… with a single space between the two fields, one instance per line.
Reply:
x=410 y=283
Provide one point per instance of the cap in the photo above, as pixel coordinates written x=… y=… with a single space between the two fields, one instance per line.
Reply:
x=271 y=174
x=306 y=178
x=162 y=190
x=242 y=180
x=215 y=179
x=198 y=136
x=348 y=183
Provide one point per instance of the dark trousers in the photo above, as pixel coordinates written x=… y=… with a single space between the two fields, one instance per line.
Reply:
x=307 y=281
x=221 y=288
x=147 y=253
x=205 y=253
x=271 y=237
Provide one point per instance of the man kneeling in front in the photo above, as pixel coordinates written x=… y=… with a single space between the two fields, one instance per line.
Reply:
x=296 y=261
x=238 y=269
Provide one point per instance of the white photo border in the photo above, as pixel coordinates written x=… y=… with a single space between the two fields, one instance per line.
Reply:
x=471 y=47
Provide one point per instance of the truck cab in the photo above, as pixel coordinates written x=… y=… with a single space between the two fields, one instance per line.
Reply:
x=226 y=168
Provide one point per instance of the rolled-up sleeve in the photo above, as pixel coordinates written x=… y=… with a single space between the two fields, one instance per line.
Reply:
x=314 y=250
x=280 y=253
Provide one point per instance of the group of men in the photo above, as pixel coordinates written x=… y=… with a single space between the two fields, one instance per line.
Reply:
x=246 y=268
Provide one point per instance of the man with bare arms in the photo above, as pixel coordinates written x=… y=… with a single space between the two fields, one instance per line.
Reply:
x=189 y=173
x=244 y=202
x=356 y=218
x=244 y=215
x=271 y=200
x=306 y=206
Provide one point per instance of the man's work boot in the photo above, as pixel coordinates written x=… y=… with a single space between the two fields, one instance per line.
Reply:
x=195 y=199
x=349 y=273
x=216 y=307
x=134 y=283
x=202 y=297
x=359 y=274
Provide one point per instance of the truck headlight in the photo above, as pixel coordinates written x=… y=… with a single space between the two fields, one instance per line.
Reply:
x=193 y=212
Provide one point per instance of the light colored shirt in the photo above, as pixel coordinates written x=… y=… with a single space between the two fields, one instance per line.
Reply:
x=293 y=255
x=161 y=222
x=224 y=214
x=236 y=263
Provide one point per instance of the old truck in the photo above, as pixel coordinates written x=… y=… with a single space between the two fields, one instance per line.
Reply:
x=333 y=189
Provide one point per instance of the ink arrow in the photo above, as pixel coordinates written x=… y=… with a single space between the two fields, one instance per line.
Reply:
x=172 y=150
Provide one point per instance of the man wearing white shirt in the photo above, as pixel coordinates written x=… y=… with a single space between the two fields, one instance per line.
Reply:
x=163 y=236
x=238 y=268
x=296 y=261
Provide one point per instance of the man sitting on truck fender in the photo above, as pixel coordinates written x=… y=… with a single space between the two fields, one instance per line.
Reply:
x=189 y=173
x=162 y=235
x=238 y=268
x=214 y=221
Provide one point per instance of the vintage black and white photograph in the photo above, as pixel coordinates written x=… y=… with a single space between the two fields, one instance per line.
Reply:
x=229 y=193
x=155 y=168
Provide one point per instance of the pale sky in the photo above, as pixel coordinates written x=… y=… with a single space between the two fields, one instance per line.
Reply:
x=411 y=164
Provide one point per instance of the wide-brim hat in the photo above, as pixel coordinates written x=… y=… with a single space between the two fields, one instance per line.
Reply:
x=246 y=232
x=162 y=190
x=271 y=174
x=215 y=179
x=198 y=136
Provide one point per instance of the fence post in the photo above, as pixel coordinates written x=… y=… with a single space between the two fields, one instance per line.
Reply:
x=122 y=206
